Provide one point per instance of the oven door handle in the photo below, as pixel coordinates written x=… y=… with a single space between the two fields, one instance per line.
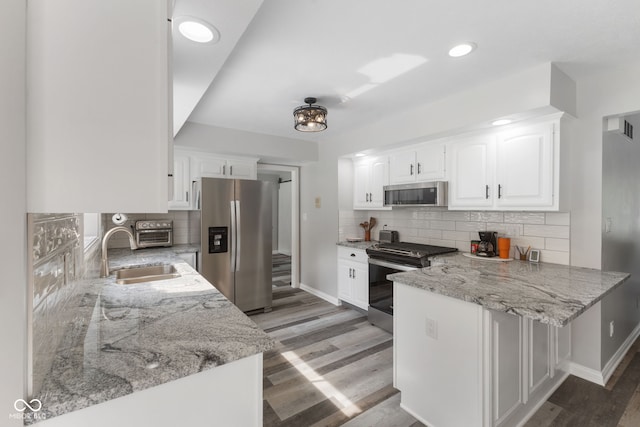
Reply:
x=395 y=266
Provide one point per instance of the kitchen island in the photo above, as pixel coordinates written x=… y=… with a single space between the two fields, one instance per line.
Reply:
x=163 y=353
x=480 y=343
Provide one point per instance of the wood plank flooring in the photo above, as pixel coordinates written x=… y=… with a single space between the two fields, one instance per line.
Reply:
x=331 y=367
x=581 y=403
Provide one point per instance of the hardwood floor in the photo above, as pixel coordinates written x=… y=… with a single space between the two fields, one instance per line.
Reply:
x=331 y=367
x=580 y=403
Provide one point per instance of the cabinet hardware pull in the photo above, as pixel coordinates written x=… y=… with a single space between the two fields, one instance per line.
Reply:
x=486 y=191
x=186 y=193
x=411 y=169
x=350 y=275
x=371 y=197
x=366 y=197
x=230 y=170
x=419 y=169
x=499 y=191
x=354 y=273
x=224 y=169
x=353 y=254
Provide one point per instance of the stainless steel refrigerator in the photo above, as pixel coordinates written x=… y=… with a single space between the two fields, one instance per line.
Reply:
x=235 y=236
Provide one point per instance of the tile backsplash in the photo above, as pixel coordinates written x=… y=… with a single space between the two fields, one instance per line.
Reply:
x=180 y=227
x=546 y=231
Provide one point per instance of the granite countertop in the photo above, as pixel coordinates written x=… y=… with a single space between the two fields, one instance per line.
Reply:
x=550 y=293
x=357 y=245
x=127 y=338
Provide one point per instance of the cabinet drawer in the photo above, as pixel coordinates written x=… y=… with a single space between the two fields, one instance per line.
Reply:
x=351 y=254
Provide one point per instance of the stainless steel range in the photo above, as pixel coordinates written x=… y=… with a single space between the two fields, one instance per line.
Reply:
x=389 y=258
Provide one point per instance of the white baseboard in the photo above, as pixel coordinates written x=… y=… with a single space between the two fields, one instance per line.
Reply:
x=601 y=377
x=313 y=291
x=615 y=360
x=589 y=374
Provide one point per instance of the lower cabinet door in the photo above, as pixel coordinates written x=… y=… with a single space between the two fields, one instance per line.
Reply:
x=344 y=280
x=539 y=355
x=506 y=346
x=360 y=286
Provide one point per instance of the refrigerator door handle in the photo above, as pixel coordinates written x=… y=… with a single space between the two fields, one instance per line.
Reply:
x=238 y=235
x=233 y=236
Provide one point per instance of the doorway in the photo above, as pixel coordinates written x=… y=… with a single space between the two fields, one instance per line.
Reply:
x=286 y=225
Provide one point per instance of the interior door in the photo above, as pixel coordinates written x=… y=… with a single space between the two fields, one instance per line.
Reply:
x=254 y=244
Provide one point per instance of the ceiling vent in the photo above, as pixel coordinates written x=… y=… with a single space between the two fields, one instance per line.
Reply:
x=620 y=125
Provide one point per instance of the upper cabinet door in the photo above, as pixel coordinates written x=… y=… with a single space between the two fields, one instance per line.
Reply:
x=361 y=178
x=241 y=169
x=99 y=105
x=524 y=167
x=379 y=178
x=402 y=167
x=181 y=183
x=430 y=162
x=371 y=174
x=471 y=173
x=209 y=166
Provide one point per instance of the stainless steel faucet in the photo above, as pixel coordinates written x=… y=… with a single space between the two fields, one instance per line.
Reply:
x=104 y=269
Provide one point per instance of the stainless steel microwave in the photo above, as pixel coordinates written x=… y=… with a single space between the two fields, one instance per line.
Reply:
x=416 y=194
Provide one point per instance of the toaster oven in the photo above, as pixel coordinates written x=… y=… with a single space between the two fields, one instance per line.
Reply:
x=154 y=233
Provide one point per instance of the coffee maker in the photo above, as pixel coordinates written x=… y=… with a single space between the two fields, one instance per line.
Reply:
x=488 y=243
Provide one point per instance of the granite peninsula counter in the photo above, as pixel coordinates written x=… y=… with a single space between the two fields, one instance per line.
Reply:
x=549 y=293
x=128 y=338
x=491 y=337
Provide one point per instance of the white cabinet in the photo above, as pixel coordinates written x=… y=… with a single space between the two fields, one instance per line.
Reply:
x=422 y=163
x=516 y=169
x=370 y=176
x=99 y=114
x=525 y=167
x=214 y=166
x=471 y=171
x=182 y=199
x=353 y=276
x=498 y=366
x=507 y=365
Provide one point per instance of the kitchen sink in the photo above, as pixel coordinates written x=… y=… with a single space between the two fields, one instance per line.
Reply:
x=146 y=274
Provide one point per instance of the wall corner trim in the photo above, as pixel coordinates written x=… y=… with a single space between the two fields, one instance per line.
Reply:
x=313 y=291
x=601 y=377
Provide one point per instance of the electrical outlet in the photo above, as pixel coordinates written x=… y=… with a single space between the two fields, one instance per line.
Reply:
x=432 y=328
x=611 y=328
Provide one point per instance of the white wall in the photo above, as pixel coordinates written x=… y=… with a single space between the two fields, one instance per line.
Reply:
x=601 y=94
x=620 y=247
x=284 y=218
x=13 y=287
x=270 y=149
x=525 y=93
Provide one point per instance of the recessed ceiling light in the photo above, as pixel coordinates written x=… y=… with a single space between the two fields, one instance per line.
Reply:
x=197 y=30
x=500 y=122
x=462 y=49
x=360 y=154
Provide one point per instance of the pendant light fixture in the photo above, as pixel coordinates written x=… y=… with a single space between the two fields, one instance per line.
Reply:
x=310 y=118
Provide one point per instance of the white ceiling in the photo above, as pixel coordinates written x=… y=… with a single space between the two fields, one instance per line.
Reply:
x=298 y=48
